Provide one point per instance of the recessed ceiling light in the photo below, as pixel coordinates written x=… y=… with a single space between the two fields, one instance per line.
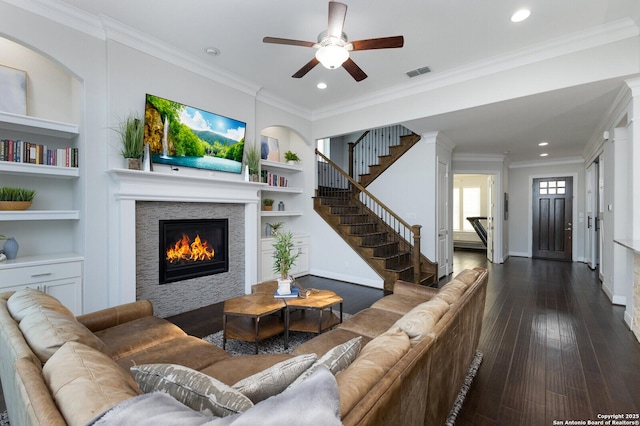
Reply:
x=544 y=154
x=543 y=144
x=520 y=15
x=214 y=51
x=322 y=86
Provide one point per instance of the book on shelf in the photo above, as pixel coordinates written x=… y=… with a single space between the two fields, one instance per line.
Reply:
x=273 y=179
x=19 y=151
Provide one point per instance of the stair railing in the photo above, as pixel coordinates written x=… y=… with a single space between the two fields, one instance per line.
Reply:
x=335 y=183
x=365 y=151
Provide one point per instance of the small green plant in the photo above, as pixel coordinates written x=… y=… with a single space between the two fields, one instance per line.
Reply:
x=131 y=131
x=16 y=194
x=252 y=158
x=283 y=257
x=275 y=226
x=291 y=156
x=268 y=202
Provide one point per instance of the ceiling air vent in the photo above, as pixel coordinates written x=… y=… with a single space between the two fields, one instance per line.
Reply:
x=418 y=71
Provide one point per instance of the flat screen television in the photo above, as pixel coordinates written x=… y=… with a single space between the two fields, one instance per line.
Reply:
x=180 y=135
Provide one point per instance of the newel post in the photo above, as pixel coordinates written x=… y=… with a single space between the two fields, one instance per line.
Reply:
x=416 y=253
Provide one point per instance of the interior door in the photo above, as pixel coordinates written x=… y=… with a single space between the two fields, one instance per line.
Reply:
x=552 y=216
x=443 y=219
x=491 y=203
x=598 y=222
x=591 y=252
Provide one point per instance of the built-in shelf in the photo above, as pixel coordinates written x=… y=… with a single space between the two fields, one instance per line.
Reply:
x=275 y=213
x=43 y=259
x=287 y=189
x=9 y=167
x=25 y=215
x=37 y=126
x=281 y=166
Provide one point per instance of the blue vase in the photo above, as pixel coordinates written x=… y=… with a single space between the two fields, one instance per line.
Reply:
x=11 y=248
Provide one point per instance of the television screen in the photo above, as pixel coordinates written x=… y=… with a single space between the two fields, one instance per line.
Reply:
x=181 y=135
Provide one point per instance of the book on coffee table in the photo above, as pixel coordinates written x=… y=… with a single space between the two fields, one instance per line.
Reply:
x=294 y=293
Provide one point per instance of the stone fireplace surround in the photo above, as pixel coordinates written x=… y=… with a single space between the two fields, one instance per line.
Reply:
x=130 y=187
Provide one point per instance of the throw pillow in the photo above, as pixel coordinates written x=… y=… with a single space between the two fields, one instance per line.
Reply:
x=419 y=321
x=26 y=300
x=46 y=331
x=375 y=360
x=192 y=388
x=274 y=379
x=336 y=359
x=451 y=291
x=85 y=382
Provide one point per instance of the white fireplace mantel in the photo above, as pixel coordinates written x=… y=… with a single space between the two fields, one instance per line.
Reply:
x=129 y=186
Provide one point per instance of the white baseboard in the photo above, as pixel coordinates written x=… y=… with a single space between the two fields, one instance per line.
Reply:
x=518 y=254
x=614 y=298
x=628 y=319
x=348 y=278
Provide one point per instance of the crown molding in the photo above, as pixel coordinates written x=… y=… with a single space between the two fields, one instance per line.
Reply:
x=270 y=98
x=594 y=37
x=64 y=14
x=558 y=162
x=479 y=157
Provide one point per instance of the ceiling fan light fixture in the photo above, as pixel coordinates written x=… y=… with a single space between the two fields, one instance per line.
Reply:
x=332 y=56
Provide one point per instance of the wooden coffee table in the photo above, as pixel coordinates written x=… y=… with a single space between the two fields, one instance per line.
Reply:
x=252 y=318
x=313 y=314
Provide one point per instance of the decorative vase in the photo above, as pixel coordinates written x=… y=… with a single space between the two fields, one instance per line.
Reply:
x=11 y=248
x=281 y=206
x=284 y=286
x=267 y=230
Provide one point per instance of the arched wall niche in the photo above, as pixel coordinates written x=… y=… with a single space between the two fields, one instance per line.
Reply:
x=53 y=90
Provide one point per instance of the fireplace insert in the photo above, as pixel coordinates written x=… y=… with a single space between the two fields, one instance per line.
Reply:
x=191 y=248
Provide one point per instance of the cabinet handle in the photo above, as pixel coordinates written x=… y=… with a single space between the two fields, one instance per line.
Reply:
x=44 y=274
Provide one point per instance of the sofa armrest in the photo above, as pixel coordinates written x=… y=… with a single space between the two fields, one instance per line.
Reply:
x=110 y=317
x=410 y=289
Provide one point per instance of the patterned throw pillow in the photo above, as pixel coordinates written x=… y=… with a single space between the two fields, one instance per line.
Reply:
x=336 y=359
x=274 y=379
x=192 y=388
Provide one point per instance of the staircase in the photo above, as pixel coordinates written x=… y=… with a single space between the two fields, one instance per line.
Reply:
x=385 y=160
x=383 y=240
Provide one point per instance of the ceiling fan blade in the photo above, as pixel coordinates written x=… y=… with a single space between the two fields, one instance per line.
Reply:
x=276 y=40
x=337 y=14
x=378 y=43
x=306 y=68
x=353 y=69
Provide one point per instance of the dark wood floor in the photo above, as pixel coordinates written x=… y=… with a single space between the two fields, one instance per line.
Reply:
x=554 y=347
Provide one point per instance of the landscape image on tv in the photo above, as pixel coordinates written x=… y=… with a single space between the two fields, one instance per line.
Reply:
x=180 y=135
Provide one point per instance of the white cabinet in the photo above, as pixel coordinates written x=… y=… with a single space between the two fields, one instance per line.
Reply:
x=301 y=267
x=59 y=275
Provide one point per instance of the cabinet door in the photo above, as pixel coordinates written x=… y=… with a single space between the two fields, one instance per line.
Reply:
x=302 y=262
x=266 y=263
x=68 y=291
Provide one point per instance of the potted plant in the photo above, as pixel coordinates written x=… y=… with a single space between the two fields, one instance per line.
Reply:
x=252 y=160
x=267 y=204
x=272 y=228
x=131 y=131
x=16 y=198
x=291 y=157
x=284 y=259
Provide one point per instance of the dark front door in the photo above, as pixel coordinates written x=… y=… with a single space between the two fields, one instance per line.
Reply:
x=552 y=213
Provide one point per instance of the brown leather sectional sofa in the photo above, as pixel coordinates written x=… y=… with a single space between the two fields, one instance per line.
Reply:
x=421 y=342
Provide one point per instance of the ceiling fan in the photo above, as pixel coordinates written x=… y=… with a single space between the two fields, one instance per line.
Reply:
x=333 y=47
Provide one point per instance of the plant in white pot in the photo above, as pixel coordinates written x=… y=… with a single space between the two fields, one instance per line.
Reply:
x=284 y=259
x=131 y=131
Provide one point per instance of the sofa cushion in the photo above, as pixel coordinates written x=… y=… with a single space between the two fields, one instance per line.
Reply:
x=419 y=321
x=274 y=379
x=16 y=347
x=233 y=369
x=133 y=336
x=46 y=331
x=451 y=291
x=370 y=322
x=375 y=359
x=40 y=409
x=185 y=350
x=192 y=388
x=26 y=300
x=85 y=382
x=323 y=343
x=336 y=359
x=398 y=303
x=468 y=276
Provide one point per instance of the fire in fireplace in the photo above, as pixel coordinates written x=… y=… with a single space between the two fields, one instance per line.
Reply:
x=191 y=248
